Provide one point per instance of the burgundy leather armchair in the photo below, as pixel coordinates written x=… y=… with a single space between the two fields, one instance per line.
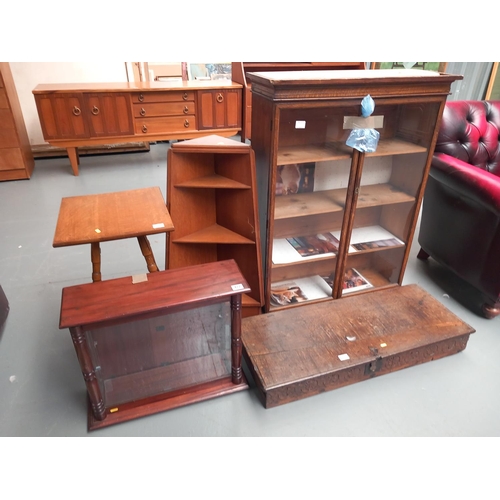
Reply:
x=460 y=223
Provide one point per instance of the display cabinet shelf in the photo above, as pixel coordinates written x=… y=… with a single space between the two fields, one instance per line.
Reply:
x=339 y=151
x=313 y=152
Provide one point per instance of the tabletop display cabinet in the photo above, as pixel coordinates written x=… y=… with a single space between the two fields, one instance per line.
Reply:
x=154 y=342
x=211 y=195
x=336 y=220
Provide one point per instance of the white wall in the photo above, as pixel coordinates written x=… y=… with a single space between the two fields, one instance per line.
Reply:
x=27 y=75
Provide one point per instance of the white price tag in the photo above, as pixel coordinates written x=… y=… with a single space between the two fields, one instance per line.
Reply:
x=157 y=226
x=300 y=124
x=237 y=287
x=344 y=357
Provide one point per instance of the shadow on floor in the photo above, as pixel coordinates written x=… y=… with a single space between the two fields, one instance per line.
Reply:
x=451 y=284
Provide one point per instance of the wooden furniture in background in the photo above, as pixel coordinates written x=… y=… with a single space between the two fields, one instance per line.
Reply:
x=369 y=201
x=297 y=353
x=239 y=72
x=212 y=199
x=166 y=342
x=74 y=115
x=16 y=158
x=92 y=219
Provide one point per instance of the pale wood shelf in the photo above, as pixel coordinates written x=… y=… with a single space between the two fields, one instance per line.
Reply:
x=215 y=234
x=340 y=151
x=212 y=181
x=333 y=200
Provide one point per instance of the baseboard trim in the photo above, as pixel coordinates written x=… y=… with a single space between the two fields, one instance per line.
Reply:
x=48 y=151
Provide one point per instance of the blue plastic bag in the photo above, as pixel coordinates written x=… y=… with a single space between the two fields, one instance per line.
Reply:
x=364 y=139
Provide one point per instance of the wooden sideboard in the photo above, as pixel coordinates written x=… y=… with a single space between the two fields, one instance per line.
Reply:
x=75 y=115
x=16 y=158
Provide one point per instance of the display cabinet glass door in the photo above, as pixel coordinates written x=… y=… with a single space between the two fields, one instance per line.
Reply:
x=386 y=199
x=342 y=220
x=309 y=187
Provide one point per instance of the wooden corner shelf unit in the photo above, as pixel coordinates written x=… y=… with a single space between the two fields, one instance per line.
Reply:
x=212 y=200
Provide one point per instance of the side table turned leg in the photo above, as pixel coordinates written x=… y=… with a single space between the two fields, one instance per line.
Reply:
x=148 y=253
x=95 y=255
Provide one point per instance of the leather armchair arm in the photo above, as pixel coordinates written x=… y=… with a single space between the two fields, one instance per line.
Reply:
x=470 y=182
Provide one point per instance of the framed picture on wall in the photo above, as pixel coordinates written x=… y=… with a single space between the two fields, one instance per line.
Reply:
x=429 y=66
x=209 y=71
x=493 y=90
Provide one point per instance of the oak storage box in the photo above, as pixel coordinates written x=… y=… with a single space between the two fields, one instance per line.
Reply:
x=302 y=351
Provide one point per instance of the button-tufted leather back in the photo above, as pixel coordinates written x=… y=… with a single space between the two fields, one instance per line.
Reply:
x=470 y=131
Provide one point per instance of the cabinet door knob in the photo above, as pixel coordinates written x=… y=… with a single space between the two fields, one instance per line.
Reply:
x=186 y=123
x=142 y=112
x=186 y=110
x=144 y=129
x=95 y=110
x=220 y=98
x=141 y=97
x=77 y=111
x=185 y=96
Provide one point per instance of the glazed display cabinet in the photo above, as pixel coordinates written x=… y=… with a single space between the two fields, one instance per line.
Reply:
x=338 y=221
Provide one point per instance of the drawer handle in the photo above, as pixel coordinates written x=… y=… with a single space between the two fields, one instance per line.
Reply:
x=77 y=111
x=95 y=110
x=186 y=123
x=141 y=97
x=142 y=112
x=220 y=98
x=186 y=110
x=144 y=129
x=185 y=96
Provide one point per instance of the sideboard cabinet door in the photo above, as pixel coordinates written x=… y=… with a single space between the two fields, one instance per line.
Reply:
x=109 y=114
x=62 y=116
x=219 y=108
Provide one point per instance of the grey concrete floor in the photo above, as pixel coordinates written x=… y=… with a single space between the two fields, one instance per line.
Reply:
x=42 y=392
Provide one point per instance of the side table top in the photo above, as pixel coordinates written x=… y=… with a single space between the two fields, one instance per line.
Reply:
x=111 y=216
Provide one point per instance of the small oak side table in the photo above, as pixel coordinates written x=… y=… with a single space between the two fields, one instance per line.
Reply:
x=112 y=216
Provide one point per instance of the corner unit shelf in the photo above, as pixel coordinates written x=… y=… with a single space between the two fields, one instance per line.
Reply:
x=211 y=194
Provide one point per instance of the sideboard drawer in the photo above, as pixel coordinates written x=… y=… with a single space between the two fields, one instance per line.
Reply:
x=165 y=125
x=163 y=109
x=141 y=97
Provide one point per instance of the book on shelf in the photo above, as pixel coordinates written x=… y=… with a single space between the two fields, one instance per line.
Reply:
x=300 y=248
x=354 y=281
x=371 y=237
x=295 y=178
x=315 y=244
x=298 y=290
